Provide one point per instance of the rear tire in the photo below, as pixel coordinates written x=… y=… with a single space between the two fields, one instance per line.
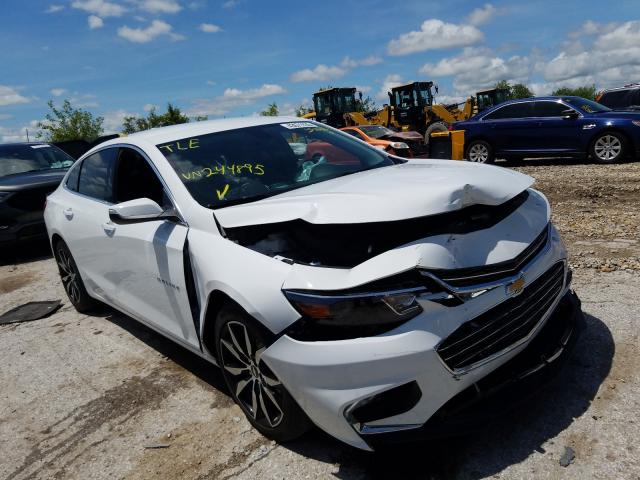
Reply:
x=71 y=280
x=254 y=387
x=608 y=147
x=479 y=151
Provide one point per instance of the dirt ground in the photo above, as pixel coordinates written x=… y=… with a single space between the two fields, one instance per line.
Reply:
x=97 y=397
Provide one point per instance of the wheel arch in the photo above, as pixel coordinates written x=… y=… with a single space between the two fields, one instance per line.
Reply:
x=628 y=141
x=216 y=300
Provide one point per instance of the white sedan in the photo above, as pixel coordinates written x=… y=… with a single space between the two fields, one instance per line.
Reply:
x=334 y=284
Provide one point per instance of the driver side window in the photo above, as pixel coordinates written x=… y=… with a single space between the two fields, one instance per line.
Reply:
x=135 y=178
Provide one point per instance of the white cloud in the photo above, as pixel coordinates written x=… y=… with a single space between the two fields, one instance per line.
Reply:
x=482 y=15
x=57 y=92
x=465 y=68
x=95 y=22
x=113 y=120
x=230 y=4
x=149 y=106
x=232 y=98
x=19 y=134
x=209 y=28
x=393 y=80
x=320 y=73
x=10 y=96
x=159 y=6
x=211 y=82
x=348 y=62
x=607 y=55
x=363 y=88
x=434 y=34
x=102 y=8
x=54 y=8
x=5 y=116
x=156 y=29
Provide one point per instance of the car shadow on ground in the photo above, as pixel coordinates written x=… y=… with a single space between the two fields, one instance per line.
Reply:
x=186 y=359
x=25 y=252
x=505 y=442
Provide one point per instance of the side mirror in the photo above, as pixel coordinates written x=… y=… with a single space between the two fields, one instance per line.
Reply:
x=570 y=114
x=140 y=210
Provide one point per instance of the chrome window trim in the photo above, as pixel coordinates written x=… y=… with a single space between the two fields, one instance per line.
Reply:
x=146 y=158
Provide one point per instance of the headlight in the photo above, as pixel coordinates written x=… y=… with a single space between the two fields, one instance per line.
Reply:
x=335 y=316
x=398 y=145
x=636 y=122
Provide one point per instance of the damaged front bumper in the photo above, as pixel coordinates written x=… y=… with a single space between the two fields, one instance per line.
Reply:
x=369 y=388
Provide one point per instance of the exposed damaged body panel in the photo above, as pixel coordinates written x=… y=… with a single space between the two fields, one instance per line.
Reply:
x=347 y=245
x=410 y=190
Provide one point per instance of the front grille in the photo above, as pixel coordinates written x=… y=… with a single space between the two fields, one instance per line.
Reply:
x=464 y=277
x=503 y=325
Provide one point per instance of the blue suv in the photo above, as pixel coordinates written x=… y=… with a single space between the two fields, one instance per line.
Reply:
x=551 y=127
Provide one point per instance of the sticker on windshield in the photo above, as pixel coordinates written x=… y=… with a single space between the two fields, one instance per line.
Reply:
x=40 y=146
x=293 y=125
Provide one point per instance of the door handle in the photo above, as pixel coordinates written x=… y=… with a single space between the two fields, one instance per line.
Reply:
x=68 y=212
x=109 y=228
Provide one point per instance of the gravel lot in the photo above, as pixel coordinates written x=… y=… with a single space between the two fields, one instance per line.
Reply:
x=103 y=397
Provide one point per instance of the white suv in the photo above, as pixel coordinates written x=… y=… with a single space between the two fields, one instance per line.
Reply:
x=333 y=283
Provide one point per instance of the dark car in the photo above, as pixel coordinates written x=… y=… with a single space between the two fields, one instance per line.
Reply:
x=28 y=173
x=551 y=127
x=622 y=98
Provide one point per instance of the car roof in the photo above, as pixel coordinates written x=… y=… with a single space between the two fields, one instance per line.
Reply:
x=184 y=130
x=631 y=86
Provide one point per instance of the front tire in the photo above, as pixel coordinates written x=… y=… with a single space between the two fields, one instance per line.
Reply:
x=434 y=127
x=608 y=147
x=71 y=280
x=253 y=385
x=479 y=151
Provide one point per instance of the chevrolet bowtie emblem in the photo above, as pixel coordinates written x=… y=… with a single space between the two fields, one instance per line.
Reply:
x=516 y=287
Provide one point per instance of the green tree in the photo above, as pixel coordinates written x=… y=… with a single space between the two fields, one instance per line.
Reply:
x=68 y=123
x=173 y=116
x=520 y=90
x=302 y=110
x=517 y=90
x=270 y=111
x=588 y=92
x=366 y=105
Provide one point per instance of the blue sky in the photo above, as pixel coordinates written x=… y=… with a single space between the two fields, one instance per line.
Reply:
x=233 y=57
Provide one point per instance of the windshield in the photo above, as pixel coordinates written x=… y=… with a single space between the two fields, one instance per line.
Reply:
x=246 y=164
x=585 y=105
x=322 y=104
x=346 y=102
x=376 y=131
x=29 y=158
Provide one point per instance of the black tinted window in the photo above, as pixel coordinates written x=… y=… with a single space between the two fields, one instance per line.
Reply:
x=72 y=179
x=135 y=178
x=96 y=175
x=515 y=110
x=549 y=109
x=621 y=99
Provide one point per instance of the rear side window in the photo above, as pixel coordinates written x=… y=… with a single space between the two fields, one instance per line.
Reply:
x=549 y=109
x=96 y=175
x=515 y=110
x=72 y=178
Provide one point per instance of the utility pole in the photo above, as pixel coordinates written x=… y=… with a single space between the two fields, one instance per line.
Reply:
x=27 y=134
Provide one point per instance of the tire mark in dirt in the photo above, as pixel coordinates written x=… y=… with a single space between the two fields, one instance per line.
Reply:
x=115 y=407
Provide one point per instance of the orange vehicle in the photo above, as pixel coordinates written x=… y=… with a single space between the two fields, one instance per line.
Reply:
x=401 y=144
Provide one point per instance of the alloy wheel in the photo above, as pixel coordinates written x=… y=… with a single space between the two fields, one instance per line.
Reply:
x=607 y=147
x=254 y=385
x=478 y=153
x=69 y=275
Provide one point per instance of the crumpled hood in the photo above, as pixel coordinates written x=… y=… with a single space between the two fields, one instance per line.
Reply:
x=414 y=189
